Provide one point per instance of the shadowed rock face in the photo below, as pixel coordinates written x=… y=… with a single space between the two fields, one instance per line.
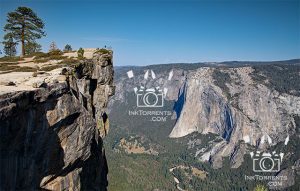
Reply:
x=50 y=138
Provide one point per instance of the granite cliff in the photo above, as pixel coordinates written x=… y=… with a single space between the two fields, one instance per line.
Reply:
x=214 y=115
x=51 y=136
x=240 y=109
x=225 y=100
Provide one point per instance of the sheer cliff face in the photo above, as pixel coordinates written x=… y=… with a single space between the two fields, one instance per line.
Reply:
x=240 y=111
x=49 y=136
x=224 y=101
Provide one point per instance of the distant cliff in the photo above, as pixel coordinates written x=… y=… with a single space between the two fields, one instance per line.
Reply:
x=230 y=103
x=50 y=136
x=237 y=100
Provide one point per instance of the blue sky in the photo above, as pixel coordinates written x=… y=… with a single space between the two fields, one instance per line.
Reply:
x=155 y=32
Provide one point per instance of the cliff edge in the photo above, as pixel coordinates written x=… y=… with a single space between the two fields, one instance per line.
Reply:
x=51 y=136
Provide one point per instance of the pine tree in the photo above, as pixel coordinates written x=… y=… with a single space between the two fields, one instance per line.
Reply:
x=32 y=47
x=52 y=47
x=80 y=53
x=9 y=45
x=24 y=25
x=68 y=48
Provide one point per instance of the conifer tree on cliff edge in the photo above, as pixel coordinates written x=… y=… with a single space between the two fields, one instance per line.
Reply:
x=24 y=26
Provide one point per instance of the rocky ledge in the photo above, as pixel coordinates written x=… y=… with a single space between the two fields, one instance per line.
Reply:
x=51 y=136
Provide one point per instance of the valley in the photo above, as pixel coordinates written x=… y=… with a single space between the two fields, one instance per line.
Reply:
x=219 y=152
x=152 y=95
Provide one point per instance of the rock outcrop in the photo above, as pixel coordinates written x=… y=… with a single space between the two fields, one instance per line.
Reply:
x=50 y=136
x=246 y=112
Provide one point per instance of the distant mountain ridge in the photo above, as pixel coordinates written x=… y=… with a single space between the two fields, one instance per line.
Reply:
x=121 y=70
x=231 y=100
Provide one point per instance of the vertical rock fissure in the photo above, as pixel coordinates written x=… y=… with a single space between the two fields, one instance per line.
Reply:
x=93 y=86
x=229 y=126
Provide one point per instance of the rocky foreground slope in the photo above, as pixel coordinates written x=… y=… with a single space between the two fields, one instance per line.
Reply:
x=50 y=135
